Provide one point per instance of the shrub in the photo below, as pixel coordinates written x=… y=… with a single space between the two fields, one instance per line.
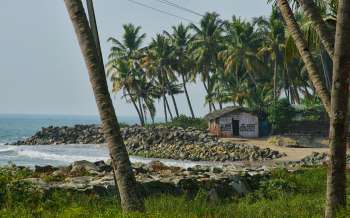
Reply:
x=185 y=122
x=280 y=114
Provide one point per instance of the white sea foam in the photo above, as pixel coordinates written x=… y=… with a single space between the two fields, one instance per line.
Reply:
x=7 y=148
x=57 y=157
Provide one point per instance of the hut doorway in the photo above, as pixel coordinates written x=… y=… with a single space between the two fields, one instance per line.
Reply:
x=235 y=127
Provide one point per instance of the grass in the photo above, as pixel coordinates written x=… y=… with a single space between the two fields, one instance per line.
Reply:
x=299 y=194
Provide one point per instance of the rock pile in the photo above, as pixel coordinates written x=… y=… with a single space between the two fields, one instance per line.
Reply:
x=78 y=134
x=317 y=159
x=160 y=142
x=154 y=178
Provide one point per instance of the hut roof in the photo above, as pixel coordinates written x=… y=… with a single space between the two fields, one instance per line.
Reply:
x=219 y=113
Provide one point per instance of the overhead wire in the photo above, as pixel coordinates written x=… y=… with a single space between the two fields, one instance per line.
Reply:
x=161 y=11
x=180 y=7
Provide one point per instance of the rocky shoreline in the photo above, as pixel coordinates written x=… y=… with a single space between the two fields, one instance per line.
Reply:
x=158 y=142
x=154 y=178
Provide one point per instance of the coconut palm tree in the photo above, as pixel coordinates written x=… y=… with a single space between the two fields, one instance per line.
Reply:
x=122 y=66
x=312 y=69
x=323 y=31
x=240 y=52
x=123 y=77
x=206 y=45
x=336 y=180
x=130 y=45
x=273 y=44
x=157 y=64
x=182 y=63
x=131 y=199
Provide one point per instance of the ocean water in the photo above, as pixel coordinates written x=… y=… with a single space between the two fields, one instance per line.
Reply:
x=62 y=155
x=17 y=127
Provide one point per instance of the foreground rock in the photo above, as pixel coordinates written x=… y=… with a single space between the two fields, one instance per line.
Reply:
x=154 y=178
x=159 y=142
x=316 y=159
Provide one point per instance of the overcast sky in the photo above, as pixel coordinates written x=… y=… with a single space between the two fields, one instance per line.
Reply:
x=41 y=67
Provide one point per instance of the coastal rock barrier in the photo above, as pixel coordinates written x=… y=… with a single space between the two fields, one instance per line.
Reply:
x=154 y=178
x=159 y=142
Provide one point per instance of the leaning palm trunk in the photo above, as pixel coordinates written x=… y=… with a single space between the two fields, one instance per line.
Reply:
x=275 y=81
x=326 y=36
x=311 y=67
x=141 y=109
x=187 y=96
x=142 y=122
x=130 y=198
x=168 y=107
x=336 y=179
x=175 y=105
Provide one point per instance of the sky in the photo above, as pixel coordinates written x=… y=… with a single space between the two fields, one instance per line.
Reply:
x=42 y=70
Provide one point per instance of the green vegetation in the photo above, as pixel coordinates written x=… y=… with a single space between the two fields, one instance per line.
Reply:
x=280 y=114
x=285 y=194
x=184 y=122
x=244 y=63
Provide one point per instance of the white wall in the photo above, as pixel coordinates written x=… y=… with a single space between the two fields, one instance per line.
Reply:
x=248 y=124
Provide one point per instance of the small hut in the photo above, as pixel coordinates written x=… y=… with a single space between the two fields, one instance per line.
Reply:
x=233 y=122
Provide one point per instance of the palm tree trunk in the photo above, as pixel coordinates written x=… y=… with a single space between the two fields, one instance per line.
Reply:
x=131 y=199
x=175 y=105
x=207 y=90
x=187 y=96
x=275 y=81
x=142 y=122
x=209 y=93
x=326 y=70
x=326 y=36
x=311 y=67
x=336 y=179
x=165 y=109
x=168 y=107
x=141 y=109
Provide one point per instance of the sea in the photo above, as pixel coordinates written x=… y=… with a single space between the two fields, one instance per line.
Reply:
x=19 y=127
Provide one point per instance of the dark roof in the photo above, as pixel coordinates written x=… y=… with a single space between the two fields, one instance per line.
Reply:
x=219 y=113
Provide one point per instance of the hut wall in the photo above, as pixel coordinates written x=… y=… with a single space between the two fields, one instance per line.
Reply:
x=248 y=125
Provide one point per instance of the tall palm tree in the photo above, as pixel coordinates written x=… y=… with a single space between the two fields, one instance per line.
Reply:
x=128 y=189
x=122 y=66
x=129 y=47
x=206 y=45
x=239 y=52
x=123 y=77
x=312 y=69
x=157 y=63
x=182 y=63
x=323 y=31
x=336 y=180
x=273 y=44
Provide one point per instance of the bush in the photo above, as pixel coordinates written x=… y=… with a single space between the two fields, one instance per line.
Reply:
x=280 y=114
x=185 y=122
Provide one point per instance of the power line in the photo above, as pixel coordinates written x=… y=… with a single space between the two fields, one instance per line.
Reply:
x=160 y=11
x=180 y=7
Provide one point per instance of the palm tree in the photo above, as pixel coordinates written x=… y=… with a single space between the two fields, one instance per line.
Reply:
x=122 y=66
x=336 y=180
x=241 y=44
x=157 y=64
x=206 y=45
x=182 y=63
x=323 y=31
x=296 y=33
x=122 y=76
x=273 y=44
x=128 y=189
